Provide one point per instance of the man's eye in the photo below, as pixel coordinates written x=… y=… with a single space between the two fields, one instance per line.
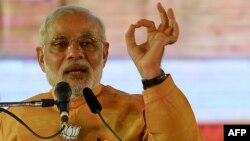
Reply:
x=86 y=43
x=61 y=44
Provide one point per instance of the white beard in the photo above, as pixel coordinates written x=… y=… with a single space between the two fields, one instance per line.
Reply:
x=91 y=80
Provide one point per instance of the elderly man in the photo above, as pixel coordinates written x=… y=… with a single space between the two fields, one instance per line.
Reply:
x=73 y=48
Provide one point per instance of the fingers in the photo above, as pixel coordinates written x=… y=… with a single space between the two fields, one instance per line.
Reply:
x=175 y=33
x=150 y=25
x=164 y=18
x=130 y=36
x=168 y=24
x=171 y=15
x=176 y=30
x=173 y=25
x=168 y=27
x=167 y=18
x=174 y=36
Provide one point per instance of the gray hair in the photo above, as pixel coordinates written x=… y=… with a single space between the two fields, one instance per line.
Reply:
x=63 y=10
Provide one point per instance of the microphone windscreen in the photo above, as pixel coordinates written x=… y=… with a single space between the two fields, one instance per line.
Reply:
x=92 y=101
x=63 y=91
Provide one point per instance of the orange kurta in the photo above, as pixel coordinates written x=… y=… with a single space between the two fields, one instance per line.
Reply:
x=161 y=113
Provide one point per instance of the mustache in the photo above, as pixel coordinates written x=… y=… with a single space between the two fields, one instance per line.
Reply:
x=76 y=66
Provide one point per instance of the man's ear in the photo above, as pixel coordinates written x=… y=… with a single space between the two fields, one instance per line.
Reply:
x=40 y=57
x=105 y=52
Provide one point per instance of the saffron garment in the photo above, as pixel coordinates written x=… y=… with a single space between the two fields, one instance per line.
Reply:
x=161 y=113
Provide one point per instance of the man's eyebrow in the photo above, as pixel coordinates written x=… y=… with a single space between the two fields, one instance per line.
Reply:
x=86 y=34
x=60 y=36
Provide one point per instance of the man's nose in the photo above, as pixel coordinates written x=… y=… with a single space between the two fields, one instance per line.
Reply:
x=74 y=51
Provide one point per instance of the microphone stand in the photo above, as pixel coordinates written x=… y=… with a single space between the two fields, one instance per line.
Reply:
x=107 y=125
x=37 y=103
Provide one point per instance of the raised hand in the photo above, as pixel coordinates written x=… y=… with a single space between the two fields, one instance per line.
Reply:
x=148 y=55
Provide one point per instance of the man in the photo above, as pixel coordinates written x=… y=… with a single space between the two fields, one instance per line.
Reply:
x=73 y=49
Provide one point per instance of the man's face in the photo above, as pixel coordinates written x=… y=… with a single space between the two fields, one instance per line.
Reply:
x=73 y=52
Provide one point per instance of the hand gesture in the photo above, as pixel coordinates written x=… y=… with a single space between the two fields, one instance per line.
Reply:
x=148 y=55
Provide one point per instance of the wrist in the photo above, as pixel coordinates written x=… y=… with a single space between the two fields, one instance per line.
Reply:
x=149 y=73
x=147 y=83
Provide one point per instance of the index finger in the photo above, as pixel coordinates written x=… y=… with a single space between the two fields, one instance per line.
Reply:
x=130 y=36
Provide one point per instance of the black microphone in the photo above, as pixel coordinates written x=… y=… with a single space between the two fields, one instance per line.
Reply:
x=63 y=93
x=92 y=101
x=96 y=108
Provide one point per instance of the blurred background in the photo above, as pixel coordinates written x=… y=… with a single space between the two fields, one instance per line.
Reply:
x=210 y=62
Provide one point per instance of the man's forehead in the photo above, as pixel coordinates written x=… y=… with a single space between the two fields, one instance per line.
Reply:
x=64 y=29
x=77 y=25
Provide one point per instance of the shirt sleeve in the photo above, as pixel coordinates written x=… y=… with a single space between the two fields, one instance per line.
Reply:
x=168 y=114
x=1 y=130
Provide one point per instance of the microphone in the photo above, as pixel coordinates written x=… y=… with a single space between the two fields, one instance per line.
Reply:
x=63 y=93
x=96 y=108
x=92 y=101
x=36 y=103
